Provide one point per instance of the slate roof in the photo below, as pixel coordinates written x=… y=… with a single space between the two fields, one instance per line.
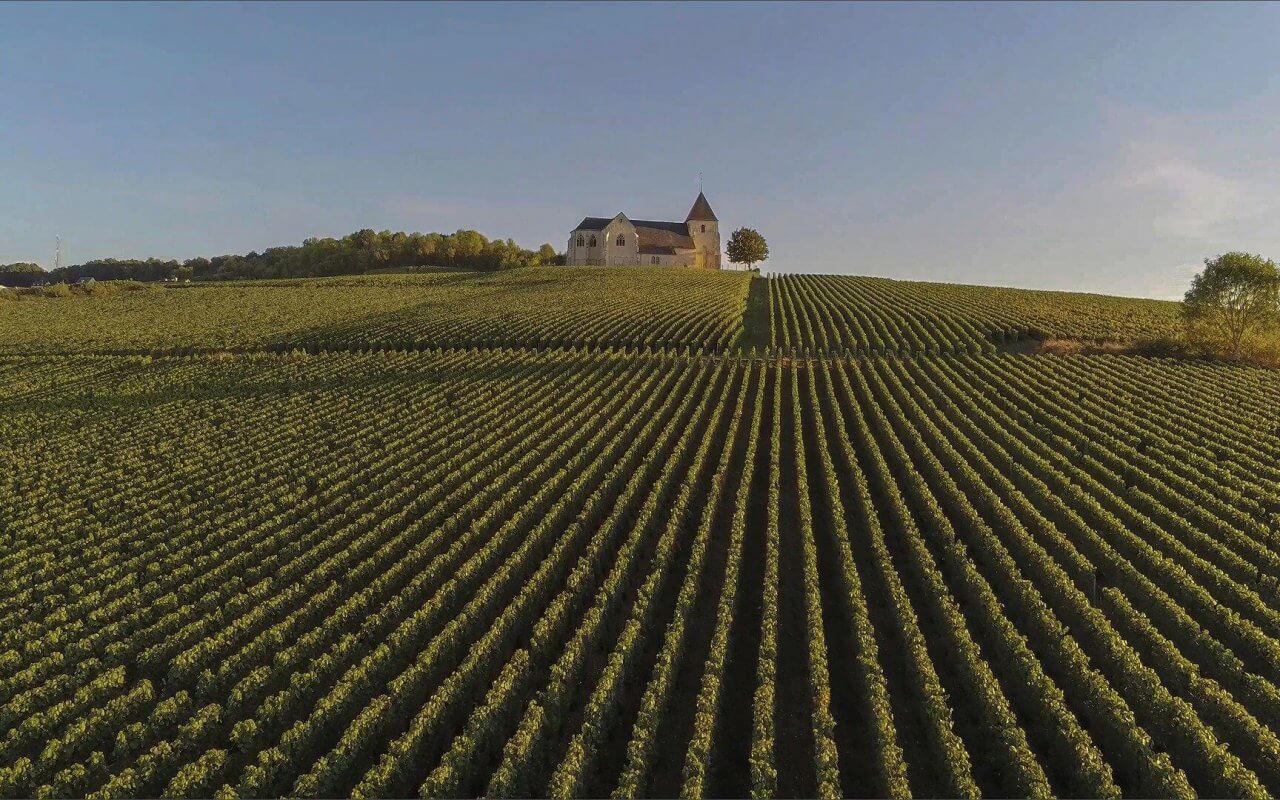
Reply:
x=662 y=234
x=678 y=228
x=593 y=224
x=701 y=210
x=657 y=237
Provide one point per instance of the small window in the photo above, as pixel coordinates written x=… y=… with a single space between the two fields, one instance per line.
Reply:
x=655 y=260
x=579 y=240
x=622 y=240
x=593 y=241
x=704 y=228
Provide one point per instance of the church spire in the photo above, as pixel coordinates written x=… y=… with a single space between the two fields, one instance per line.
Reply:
x=701 y=210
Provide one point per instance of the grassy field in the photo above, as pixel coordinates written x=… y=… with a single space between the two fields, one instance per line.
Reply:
x=661 y=561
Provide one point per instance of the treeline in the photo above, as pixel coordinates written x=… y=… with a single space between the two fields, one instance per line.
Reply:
x=360 y=252
x=23 y=273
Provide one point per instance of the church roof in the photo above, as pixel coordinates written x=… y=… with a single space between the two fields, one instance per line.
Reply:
x=662 y=234
x=656 y=236
x=701 y=210
x=679 y=228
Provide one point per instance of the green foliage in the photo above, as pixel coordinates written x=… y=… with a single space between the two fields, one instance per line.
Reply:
x=21 y=268
x=117 y=269
x=856 y=315
x=323 y=565
x=548 y=257
x=356 y=254
x=1234 y=299
x=20 y=275
x=747 y=246
x=62 y=291
x=554 y=307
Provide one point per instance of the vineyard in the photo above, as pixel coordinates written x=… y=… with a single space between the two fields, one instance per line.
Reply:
x=541 y=308
x=865 y=316
x=596 y=308
x=646 y=561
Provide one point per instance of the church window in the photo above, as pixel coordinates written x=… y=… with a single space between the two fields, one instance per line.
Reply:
x=579 y=240
x=622 y=240
x=704 y=228
x=593 y=241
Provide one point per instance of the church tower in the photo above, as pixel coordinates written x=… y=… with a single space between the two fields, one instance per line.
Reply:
x=704 y=229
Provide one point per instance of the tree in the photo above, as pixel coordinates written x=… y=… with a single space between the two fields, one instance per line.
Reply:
x=1235 y=297
x=747 y=246
x=355 y=253
x=199 y=267
x=22 y=268
x=23 y=273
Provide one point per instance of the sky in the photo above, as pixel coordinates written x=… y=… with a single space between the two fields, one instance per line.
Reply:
x=1101 y=147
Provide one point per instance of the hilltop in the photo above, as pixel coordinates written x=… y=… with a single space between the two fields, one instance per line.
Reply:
x=592 y=307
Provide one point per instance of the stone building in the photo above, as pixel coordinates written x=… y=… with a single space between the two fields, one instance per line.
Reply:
x=631 y=242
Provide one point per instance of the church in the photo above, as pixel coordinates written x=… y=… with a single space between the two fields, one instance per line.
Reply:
x=618 y=241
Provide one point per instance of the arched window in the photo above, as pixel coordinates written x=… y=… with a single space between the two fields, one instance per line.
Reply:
x=593 y=241
x=579 y=240
x=622 y=240
x=655 y=260
x=704 y=228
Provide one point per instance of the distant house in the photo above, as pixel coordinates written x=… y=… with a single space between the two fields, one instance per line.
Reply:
x=619 y=241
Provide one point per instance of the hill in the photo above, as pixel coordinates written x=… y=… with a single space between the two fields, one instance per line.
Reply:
x=544 y=307
x=592 y=307
x=878 y=315
x=629 y=533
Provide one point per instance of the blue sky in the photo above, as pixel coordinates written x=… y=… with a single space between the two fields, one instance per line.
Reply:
x=1094 y=147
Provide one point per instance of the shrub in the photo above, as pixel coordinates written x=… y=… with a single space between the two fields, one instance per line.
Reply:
x=99 y=289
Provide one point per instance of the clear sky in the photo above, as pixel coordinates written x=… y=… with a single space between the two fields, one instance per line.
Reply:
x=1095 y=147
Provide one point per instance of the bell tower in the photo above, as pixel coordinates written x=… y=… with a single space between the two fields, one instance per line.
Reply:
x=704 y=229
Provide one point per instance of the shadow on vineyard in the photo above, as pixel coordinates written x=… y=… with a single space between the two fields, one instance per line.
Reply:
x=885 y=633
x=1019 y=345
x=756 y=319
x=732 y=746
x=850 y=705
x=794 y=706
x=678 y=725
